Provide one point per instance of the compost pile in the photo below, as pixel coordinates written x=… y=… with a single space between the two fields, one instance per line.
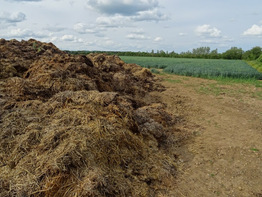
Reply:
x=80 y=125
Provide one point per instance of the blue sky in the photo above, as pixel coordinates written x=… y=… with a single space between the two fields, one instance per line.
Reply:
x=134 y=25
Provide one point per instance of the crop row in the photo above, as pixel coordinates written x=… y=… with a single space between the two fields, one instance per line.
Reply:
x=198 y=67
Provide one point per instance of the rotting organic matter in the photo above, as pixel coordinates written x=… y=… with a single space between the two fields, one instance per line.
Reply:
x=80 y=125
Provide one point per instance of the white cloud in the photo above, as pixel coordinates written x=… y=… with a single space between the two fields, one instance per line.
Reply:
x=118 y=20
x=137 y=37
x=68 y=38
x=255 y=30
x=182 y=34
x=150 y=15
x=12 y=17
x=228 y=39
x=95 y=29
x=71 y=38
x=208 y=31
x=54 y=39
x=208 y=41
x=105 y=43
x=23 y=0
x=138 y=31
x=113 y=21
x=82 y=28
x=135 y=10
x=24 y=33
x=55 y=28
x=109 y=42
x=126 y=7
x=158 y=39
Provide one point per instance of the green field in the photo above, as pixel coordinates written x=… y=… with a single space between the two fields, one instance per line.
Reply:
x=198 y=67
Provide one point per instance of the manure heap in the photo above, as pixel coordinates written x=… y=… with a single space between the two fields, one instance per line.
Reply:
x=81 y=125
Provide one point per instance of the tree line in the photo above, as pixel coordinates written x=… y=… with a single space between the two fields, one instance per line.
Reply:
x=233 y=53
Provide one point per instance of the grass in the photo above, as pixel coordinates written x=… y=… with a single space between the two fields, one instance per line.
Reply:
x=219 y=86
x=254 y=149
x=205 y=68
x=229 y=81
x=173 y=80
x=235 y=89
x=256 y=64
x=211 y=89
x=257 y=95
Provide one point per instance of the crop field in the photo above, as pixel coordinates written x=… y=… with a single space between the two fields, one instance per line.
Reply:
x=197 y=67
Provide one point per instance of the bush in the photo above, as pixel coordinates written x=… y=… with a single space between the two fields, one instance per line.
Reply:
x=259 y=59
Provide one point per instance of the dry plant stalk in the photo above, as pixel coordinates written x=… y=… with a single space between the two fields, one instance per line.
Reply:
x=80 y=125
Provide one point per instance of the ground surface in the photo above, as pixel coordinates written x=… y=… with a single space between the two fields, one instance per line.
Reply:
x=223 y=156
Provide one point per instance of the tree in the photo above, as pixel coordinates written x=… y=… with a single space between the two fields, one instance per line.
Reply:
x=201 y=52
x=173 y=54
x=233 y=53
x=252 y=54
x=214 y=54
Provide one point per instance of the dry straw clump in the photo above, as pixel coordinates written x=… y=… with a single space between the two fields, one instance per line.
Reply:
x=80 y=125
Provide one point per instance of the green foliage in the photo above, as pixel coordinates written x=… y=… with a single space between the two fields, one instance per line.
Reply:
x=257 y=64
x=230 y=81
x=198 y=67
x=254 y=149
x=200 y=53
x=252 y=54
x=155 y=71
x=34 y=45
x=233 y=53
x=37 y=48
x=259 y=59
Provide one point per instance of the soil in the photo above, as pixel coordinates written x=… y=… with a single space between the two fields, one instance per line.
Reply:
x=223 y=157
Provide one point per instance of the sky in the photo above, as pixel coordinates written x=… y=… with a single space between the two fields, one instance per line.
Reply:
x=134 y=25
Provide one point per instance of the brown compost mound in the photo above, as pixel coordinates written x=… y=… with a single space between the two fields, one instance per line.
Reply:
x=80 y=125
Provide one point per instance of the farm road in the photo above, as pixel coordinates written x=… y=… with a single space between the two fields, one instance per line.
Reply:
x=223 y=156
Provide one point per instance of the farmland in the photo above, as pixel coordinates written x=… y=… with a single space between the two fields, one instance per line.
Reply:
x=206 y=68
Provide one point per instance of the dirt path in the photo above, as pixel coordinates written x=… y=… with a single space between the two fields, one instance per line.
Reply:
x=224 y=155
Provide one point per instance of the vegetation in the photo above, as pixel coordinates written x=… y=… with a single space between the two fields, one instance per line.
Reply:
x=257 y=64
x=155 y=71
x=253 y=54
x=184 y=64
x=233 y=53
x=200 y=53
x=198 y=67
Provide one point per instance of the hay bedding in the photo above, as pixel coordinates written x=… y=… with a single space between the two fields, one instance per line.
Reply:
x=80 y=125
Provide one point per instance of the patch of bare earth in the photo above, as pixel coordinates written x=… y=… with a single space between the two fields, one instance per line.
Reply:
x=223 y=156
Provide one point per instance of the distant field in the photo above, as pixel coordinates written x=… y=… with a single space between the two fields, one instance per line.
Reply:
x=197 y=67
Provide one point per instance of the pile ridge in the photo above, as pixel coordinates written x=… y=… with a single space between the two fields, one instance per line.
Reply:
x=81 y=125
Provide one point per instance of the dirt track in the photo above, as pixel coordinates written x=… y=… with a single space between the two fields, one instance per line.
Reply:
x=223 y=156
